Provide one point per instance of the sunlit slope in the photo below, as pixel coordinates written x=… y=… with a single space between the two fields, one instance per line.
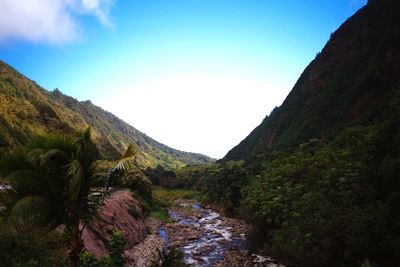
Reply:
x=26 y=110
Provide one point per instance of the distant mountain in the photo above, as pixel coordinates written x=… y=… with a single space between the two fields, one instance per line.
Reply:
x=349 y=82
x=26 y=109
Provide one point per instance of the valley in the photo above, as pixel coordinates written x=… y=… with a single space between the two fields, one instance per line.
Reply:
x=317 y=183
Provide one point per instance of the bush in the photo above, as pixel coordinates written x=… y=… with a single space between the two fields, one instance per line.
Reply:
x=136 y=181
x=114 y=259
x=37 y=249
x=171 y=258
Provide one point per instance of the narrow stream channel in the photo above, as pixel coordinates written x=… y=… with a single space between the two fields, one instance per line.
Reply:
x=214 y=240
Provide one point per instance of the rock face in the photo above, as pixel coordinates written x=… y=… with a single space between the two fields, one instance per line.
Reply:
x=115 y=215
x=346 y=84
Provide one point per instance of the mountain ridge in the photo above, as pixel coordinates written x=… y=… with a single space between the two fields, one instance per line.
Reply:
x=28 y=109
x=347 y=79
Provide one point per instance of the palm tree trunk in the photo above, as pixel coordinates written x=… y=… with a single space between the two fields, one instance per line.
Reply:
x=76 y=245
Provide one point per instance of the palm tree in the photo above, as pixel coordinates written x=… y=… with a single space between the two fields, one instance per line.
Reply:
x=38 y=178
x=83 y=191
x=58 y=182
x=125 y=163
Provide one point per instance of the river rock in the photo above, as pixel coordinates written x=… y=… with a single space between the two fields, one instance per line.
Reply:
x=146 y=253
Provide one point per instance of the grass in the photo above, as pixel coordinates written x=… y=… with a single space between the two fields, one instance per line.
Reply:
x=168 y=196
x=160 y=213
x=164 y=198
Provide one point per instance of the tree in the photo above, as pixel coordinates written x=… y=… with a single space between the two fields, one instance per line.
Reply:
x=84 y=192
x=58 y=181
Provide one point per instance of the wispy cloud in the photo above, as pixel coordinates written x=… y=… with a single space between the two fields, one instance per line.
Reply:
x=49 y=21
x=101 y=9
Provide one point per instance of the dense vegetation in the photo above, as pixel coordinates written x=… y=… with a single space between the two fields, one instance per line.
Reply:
x=319 y=179
x=57 y=184
x=334 y=204
x=354 y=73
x=27 y=110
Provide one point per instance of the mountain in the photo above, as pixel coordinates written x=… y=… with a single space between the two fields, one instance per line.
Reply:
x=320 y=179
x=27 y=110
x=348 y=83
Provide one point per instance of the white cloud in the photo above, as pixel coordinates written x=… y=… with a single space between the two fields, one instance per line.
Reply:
x=100 y=8
x=51 y=21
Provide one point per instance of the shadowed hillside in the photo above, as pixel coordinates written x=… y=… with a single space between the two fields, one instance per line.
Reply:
x=346 y=84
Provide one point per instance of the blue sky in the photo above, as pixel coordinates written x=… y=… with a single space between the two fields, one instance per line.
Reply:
x=195 y=75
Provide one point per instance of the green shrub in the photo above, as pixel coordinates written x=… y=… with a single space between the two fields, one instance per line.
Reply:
x=117 y=244
x=171 y=258
x=114 y=259
x=137 y=182
x=36 y=249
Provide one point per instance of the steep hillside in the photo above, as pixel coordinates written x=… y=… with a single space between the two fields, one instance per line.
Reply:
x=27 y=109
x=346 y=84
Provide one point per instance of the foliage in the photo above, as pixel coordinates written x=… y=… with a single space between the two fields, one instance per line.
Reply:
x=117 y=244
x=171 y=258
x=164 y=198
x=137 y=182
x=160 y=213
x=193 y=177
x=225 y=185
x=56 y=182
x=86 y=259
x=159 y=210
x=28 y=110
x=323 y=185
x=328 y=203
x=334 y=205
x=334 y=91
x=34 y=250
x=114 y=259
x=168 y=196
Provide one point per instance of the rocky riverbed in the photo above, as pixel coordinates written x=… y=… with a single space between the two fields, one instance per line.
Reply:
x=208 y=238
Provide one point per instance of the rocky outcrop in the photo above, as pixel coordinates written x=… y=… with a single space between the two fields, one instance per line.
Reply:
x=115 y=215
x=146 y=253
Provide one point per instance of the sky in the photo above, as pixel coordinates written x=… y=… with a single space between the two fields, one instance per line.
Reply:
x=196 y=75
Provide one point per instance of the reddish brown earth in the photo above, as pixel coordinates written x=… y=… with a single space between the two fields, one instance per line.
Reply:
x=114 y=215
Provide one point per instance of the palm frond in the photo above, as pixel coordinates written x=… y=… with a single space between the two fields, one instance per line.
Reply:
x=28 y=213
x=124 y=164
x=127 y=161
x=45 y=157
x=77 y=180
x=130 y=151
x=21 y=175
x=99 y=172
x=14 y=161
x=34 y=155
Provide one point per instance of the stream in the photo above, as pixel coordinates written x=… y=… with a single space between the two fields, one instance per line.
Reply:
x=205 y=236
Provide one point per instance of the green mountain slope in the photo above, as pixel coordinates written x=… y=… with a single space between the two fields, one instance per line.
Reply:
x=347 y=84
x=320 y=182
x=26 y=110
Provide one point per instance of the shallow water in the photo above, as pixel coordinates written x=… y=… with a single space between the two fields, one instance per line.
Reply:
x=215 y=240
